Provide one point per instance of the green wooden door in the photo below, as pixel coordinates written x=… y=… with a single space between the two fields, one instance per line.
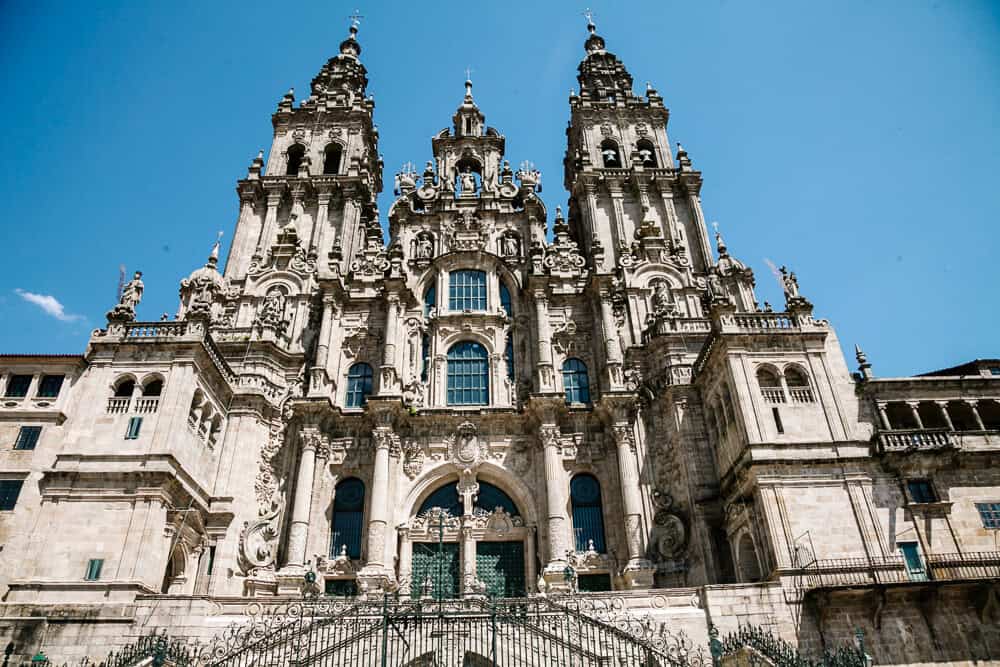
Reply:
x=440 y=563
x=500 y=565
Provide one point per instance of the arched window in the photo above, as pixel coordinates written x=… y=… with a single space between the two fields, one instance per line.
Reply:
x=153 y=388
x=647 y=152
x=295 y=154
x=798 y=385
x=488 y=499
x=770 y=385
x=425 y=356
x=331 y=159
x=467 y=290
x=508 y=355
x=430 y=300
x=588 y=514
x=348 y=517
x=505 y=300
x=610 y=154
x=359 y=385
x=125 y=388
x=468 y=374
x=576 y=384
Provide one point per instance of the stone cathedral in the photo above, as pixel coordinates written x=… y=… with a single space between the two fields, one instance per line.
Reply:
x=498 y=400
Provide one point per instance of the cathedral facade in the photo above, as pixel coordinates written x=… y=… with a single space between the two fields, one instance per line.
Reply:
x=498 y=400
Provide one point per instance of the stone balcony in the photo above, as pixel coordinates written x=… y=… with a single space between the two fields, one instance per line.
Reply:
x=844 y=573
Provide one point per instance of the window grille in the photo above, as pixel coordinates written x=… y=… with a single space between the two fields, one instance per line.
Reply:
x=467 y=290
x=505 y=300
x=588 y=513
x=348 y=517
x=27 y=437
x=430 y=300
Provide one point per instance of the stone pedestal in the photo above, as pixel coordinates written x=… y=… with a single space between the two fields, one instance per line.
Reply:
x=638 y=573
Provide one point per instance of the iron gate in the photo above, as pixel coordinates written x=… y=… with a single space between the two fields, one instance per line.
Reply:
x=438 y=633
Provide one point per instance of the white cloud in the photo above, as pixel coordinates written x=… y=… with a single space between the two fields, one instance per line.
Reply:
x=49 y=304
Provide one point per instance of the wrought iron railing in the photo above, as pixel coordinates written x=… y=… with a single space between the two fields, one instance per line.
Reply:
x=859 y=572
x=780 y=653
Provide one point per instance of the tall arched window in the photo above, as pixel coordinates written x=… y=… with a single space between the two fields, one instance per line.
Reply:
x=425 y=357
x=153 y=388
x=348 y=517
x=467 y=290
x=295 y=154
x=468 y=374
x=505 y=300
x=359 y=385
x=588 y=514
x=610 y=154
x=430 y=300
x=576 y=384
x=508 y=355
x=331 y=159
x=647 y=153
x=125 y=388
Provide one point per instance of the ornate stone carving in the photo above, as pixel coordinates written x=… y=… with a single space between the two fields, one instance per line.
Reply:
x=464 y=447
x=669 y=531
x=562 y=256
x=413 y=458
x=259 y=541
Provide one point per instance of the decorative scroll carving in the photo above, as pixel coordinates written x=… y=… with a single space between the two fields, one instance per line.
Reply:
x=413 y=458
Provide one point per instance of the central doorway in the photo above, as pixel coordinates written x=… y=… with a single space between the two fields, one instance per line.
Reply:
x=464 y=540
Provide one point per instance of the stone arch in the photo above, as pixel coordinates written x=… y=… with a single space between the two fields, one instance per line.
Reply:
x=768 y=376
x=294 y=157
x=496 y=475
x=648 y=273
x=452 y=339
x=149 y=384
x=126 y=382
x=796 y=375
x=333 y=158
x=176 y=569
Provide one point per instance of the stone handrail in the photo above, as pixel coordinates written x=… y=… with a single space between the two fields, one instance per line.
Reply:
x=118 y=405
x=147 y=404
x=919 y=439
x=765 y=322
x=155 y=329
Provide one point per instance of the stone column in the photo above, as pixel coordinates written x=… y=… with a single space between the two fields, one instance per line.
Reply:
x=638 y=573
x=694 y=203
x=545 y=373
x=555 y=494
x=618 y=217
x=375 y=574
x=322 y=216
x=320 y=373
x=884 y=416
x=270 y=220
x=405 y=562
x=529 y=558
x=468 y=561
x=388 y=382
x=975 y=414
x=943 y=406
x=914 y=410
x=613 y=352
x=298 y=530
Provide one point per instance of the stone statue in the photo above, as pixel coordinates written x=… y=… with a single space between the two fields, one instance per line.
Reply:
x=510 y=245
x=425 y=247
x=132 y=292
x=715 y=288
x=662 y=301
x=468 y=181
x=272 y=310
x=790 y=284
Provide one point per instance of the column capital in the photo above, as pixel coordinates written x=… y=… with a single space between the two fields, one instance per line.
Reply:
x=549 y=435
x=912 y=404
x=622 y=433
x=385 y=439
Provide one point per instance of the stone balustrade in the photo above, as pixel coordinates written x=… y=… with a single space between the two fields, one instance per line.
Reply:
x=773 y=394
x=147 y=330
x=666 y=325
x=801 y=395
x=754 y=322
x=914 y=440
x=145 y=405
x=118 y=405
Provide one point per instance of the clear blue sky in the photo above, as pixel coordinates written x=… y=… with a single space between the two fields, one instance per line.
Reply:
x=854 y=141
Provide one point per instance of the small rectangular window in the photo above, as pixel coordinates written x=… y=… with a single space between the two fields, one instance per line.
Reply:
x=17 y=386
x=777 y=420
x=50 y=386
x=134 y=424
x=10 y=489
x=921 y=491
x=990 y=514
x=94 y=566
x=27 y=437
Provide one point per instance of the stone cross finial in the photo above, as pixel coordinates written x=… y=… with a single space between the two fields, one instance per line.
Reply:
x=589 y=15
x=355 y=19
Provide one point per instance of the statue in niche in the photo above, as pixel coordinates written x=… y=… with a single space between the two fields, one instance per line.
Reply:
x=425 y=246
x=272 y=310
x=662 y=300
x=510 y=245
x=132 y=292
x=468 y=180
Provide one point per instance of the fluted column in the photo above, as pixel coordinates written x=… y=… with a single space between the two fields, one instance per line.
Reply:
x=545 y=373
x=298 y=531
x=638 y=573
